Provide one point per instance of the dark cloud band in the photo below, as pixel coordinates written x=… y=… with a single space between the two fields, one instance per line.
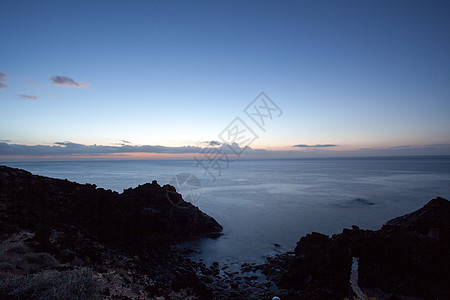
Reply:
x=70 y=148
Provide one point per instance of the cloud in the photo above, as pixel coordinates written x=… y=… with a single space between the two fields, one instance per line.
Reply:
x=122 y=143
x=401 y=147
x=28 y=97
x=214 y=143
x=3 y=80
x=69 y=144
x=405 y=149
x=438 y=145
x=70 y=148
x=314 y=146
x=67 y=81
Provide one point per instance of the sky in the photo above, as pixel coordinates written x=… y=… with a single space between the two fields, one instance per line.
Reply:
x=172 y=79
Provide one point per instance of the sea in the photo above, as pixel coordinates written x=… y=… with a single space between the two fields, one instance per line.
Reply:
x=265 y=206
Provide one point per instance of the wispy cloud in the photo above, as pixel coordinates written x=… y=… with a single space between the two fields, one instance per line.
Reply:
x=314 y=146
x=27 y=97
x=3 y=79
x=211 y=143
x=441 y=149
x=438 y=145
x=214 y=143
x=122 y=143
x=67 y=82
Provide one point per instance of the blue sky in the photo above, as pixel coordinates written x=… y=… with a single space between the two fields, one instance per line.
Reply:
x=369 y=77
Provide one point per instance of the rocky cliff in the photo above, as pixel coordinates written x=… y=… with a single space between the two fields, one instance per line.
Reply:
x=408 y=256
x=148 y=211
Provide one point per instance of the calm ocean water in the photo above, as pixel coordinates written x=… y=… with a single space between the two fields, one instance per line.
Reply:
x=263 y=202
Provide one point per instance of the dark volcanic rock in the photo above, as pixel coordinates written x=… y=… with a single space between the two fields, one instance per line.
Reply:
x=433 y=220
x=191 y=280
x=410 y=255
x=319 y=270
x=147 y=211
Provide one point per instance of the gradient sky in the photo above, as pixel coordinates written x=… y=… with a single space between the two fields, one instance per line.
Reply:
x=363 y=77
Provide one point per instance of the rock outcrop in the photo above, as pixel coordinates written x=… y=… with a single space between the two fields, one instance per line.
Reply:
x=138 y=214
x=409 y=255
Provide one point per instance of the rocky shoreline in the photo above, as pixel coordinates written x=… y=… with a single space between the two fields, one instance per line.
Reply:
x=408 y=258
x=64 y=240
